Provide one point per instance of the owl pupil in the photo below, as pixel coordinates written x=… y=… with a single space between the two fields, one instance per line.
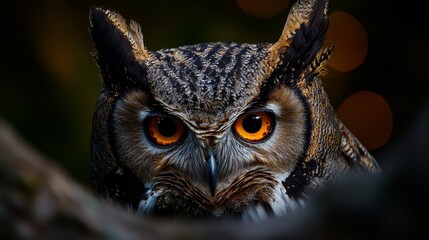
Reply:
x=167 y=126
x=252 y=123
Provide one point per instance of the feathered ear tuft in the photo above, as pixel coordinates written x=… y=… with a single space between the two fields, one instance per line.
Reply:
x=302 y=38
x=119 y=48
x=317 y=67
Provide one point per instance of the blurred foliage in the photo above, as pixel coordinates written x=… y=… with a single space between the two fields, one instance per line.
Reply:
x=50 y=83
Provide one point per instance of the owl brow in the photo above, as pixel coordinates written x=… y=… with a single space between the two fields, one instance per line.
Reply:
x=258 y=105
x=160 y=108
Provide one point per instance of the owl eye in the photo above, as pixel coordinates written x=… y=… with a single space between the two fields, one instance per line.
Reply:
x=254 y=127
x=163 y=131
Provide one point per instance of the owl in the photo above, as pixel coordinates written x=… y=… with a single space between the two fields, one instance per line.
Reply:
x=218 y=130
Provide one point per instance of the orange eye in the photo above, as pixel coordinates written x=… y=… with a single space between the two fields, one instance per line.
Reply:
x=254 y=127
x=163 y=131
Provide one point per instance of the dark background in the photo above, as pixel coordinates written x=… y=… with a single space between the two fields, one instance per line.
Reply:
x=49 y=82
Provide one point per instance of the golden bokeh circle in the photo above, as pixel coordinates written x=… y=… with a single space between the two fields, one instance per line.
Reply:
x=351 y=41
x=369 y=117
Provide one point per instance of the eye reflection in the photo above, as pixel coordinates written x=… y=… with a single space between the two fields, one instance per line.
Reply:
x=254 y=127
x=163 y=131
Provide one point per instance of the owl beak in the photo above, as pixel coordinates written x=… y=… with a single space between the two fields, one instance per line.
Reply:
x=212 y=173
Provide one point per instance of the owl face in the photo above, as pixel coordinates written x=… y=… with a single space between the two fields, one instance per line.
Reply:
x=210 y=127
x=221 y=130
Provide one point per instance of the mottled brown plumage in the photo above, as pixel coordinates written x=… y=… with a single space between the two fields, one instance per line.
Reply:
x=223 y=130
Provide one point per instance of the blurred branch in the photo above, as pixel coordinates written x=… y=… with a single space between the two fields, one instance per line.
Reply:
x=38 y=200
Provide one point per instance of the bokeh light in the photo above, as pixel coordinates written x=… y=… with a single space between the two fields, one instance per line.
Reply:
x=263 y=9
x=368 y=116
x=55 y=42
x=351 y=41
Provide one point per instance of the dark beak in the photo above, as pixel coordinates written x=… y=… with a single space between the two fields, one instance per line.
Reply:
x=212 y=172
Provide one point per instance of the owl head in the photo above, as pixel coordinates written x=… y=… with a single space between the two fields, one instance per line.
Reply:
x=216 y=130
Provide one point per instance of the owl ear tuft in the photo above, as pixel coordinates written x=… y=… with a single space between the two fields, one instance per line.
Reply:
x=119 y=48
x=303 y=36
